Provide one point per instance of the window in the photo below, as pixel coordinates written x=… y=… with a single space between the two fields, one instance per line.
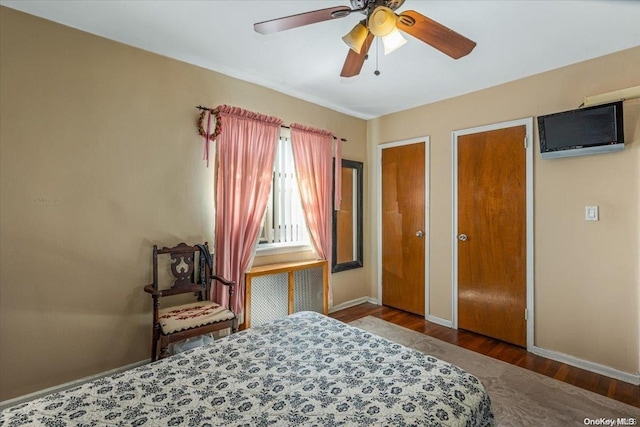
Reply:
x=284 y=225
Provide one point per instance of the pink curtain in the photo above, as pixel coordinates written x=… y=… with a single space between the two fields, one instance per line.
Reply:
x=313 y=154
x=246 y=149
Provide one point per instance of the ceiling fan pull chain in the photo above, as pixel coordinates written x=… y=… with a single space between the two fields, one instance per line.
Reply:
x=377 y=71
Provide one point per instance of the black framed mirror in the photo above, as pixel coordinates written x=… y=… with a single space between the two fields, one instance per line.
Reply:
x=347 y=221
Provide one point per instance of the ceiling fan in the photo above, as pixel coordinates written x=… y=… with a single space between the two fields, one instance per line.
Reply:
x=382 y=21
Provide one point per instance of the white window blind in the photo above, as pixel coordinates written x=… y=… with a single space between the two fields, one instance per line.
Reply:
x=284 y=223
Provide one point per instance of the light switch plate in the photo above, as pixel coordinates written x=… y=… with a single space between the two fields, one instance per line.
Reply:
x=591 y=213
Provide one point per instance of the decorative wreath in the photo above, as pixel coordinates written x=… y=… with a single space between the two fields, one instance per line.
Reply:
x=201 y=129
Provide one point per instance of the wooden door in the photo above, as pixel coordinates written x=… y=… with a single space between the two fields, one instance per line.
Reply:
x=403 y=220
x=492 y=234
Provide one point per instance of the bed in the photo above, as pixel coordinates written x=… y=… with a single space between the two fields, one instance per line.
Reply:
x=303 y=370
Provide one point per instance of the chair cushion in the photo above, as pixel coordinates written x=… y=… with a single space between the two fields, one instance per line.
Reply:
x=188 y=316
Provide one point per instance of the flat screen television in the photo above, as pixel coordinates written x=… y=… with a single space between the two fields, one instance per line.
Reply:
x=589 y=130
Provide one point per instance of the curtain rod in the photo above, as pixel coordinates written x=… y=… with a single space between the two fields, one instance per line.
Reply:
x=200 y=107
x=334 y=137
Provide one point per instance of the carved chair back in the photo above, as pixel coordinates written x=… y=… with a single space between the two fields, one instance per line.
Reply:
x=184 y=260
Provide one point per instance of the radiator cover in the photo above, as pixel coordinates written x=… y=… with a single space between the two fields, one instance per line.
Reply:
x=271 y=295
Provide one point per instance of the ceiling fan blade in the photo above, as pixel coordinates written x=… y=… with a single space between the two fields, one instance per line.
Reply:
x=435 y=34
x=353 y=63
x=293 y=21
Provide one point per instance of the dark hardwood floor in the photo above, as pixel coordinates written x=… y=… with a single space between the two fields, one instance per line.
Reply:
x=615 y=389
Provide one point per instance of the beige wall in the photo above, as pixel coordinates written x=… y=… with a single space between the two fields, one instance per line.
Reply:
x=587 y=276
x=100 y=159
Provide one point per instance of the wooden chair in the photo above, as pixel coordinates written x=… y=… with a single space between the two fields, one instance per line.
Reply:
x=179 y=322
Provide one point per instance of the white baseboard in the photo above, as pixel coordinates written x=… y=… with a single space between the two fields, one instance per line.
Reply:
x=37 y=394
x=353 y=303
x=589 y=366
x=439 y=321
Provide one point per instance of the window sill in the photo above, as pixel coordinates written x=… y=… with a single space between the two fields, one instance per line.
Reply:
x=278 y=249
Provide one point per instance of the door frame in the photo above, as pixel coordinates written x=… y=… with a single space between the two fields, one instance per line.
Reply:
x=528 y=123
x=426 y=140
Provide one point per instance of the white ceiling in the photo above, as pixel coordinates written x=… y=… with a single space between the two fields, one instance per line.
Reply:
x=514 y=39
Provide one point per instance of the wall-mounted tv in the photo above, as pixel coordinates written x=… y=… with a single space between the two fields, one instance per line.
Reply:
x=590 y=130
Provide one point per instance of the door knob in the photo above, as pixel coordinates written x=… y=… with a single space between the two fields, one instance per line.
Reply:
x=419 y=233
x=462 y=237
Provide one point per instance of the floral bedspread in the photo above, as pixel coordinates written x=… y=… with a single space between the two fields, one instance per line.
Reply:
x=302 y=370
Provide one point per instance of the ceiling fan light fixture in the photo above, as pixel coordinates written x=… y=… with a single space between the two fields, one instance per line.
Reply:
x=393 y=41
x=356 y=37
x=382 y=21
